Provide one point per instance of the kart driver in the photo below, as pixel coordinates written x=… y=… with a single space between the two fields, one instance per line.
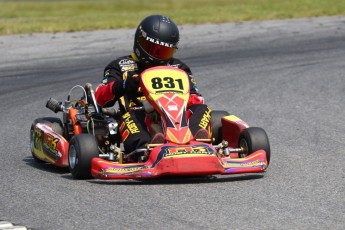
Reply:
x=155 y=43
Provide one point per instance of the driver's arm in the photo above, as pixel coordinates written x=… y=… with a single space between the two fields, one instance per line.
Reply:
x=111 y=88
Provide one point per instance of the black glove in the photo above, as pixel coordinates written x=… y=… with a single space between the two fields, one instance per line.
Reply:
x=131 y=85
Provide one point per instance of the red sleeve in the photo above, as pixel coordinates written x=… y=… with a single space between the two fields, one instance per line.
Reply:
x=195 y=99
x=104 y=93
x=111 y=88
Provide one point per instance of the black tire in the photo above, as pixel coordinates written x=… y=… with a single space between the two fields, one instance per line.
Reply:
x=253 y=139
x=82 y=149
x=53 y=122
x=216 y=124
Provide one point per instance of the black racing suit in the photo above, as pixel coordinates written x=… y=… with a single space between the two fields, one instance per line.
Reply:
x=133 y=128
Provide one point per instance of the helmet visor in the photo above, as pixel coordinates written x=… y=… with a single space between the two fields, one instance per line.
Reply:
x=155 y=50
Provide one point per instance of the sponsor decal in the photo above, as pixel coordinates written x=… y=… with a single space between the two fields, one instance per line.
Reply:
x=126 y=62
x=128 y=65
x=253 y=163
x=175 y=66
x=172 y=151
x=38 y=139
x=172 y=107
x=153 y=40
x=189 y=150
x=124 y=170
x=50 y=143
x=131 y=126
x=206 y=118
x=129 y=68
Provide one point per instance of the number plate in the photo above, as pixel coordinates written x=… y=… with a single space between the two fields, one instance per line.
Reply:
x=165 y=79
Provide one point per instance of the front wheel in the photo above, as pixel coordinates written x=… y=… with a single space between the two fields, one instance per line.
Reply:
x=253 y=139
x=82 y=149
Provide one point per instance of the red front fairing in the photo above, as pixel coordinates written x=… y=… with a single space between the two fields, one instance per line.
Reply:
x=50 y=146
x=176 y=124
x=232 y=126
x=180 y=160
x=169 y=95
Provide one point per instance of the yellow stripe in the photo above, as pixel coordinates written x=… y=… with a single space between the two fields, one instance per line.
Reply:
x=237 y=120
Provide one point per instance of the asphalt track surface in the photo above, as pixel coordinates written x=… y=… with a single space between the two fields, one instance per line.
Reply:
x=285 y=76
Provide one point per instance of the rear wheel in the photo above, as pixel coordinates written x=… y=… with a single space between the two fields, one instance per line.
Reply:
x=82 y=149
x=216 y=124
x=253 y=139
x=53 y=122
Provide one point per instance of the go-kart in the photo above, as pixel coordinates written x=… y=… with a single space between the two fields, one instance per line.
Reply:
x=87 y=138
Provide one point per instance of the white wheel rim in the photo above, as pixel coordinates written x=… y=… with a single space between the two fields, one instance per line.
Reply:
x=72 y=157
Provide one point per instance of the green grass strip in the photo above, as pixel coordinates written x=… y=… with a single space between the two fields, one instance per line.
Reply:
x=30 y=16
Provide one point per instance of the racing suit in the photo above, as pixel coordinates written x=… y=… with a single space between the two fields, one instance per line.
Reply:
x=133 y=129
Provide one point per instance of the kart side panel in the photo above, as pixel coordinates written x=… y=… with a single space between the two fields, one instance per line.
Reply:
x=231 y=129
x=50 y=146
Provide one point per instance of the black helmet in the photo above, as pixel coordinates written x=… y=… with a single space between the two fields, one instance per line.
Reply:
x=156 y=40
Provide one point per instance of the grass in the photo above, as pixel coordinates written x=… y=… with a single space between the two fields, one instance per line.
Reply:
x=30 y=16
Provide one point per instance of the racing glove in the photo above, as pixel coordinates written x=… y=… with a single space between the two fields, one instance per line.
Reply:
x=131 y=86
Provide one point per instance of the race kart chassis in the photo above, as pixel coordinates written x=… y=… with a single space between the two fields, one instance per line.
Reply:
x=88 y=142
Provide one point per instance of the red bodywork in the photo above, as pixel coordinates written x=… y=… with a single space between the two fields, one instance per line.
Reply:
x=50 y=146
x=162 y=163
